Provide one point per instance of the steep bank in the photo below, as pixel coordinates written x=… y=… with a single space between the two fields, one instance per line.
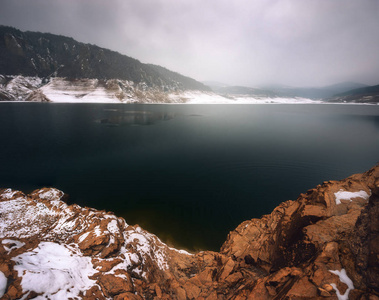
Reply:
x=324 y=245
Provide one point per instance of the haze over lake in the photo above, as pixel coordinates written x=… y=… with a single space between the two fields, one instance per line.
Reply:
x=188 y=173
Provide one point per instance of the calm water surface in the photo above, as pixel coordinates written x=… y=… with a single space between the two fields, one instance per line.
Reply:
x=188 y=173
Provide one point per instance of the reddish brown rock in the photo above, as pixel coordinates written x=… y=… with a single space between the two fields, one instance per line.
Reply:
x=128 y=296
x=288 y=254
x=113 y=285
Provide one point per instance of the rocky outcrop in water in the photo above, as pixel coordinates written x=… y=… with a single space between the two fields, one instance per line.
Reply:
x=324 y=245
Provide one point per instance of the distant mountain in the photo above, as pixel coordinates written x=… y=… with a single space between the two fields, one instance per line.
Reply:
x=362 y=91
x=368 y=94
x=42 y=58
x=243 y=90
x=314 y=92
x=45 y=55
x=344 y=87
x=214 y=84
x=285 y=91
x=306 y=92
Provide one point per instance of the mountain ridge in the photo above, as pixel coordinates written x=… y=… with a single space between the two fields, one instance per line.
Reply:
x=44 y=55
x=285 y=91
x=369 y=94
x=361 y=91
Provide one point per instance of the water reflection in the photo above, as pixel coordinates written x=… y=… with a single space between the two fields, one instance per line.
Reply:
x=134 y=118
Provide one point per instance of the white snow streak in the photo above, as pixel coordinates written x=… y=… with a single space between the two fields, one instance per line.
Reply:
x=10 y=245
x=3 y=284
x=197 y=97
x=143 y=244
x=345 y=279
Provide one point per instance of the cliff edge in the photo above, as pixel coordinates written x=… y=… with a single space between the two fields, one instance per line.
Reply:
x=324 y=245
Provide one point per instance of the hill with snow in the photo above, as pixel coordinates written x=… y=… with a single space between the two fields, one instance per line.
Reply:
x=46 y=55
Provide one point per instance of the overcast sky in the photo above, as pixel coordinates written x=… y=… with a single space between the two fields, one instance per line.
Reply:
x=241 y=42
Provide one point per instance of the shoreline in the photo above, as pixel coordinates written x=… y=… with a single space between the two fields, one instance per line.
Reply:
x=197 y=103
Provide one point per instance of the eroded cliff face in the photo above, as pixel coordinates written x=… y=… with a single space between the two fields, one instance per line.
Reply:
x=324 y=245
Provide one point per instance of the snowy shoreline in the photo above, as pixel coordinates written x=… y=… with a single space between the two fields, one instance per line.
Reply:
x=194 y=103
x=115 y=91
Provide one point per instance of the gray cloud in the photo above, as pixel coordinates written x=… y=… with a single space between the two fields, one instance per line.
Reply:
x=247 y=42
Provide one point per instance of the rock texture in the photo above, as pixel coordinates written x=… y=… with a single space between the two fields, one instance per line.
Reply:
x=324 y=245
x=18 y=88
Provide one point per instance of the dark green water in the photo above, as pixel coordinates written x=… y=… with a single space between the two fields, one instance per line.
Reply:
x=188 y=173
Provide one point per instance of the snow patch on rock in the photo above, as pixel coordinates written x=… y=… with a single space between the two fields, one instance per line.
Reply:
x=28 y=217
x=58 y=271
x=8 y=193
x=144 y=244
x=345 y=195
x=50 y=194
x=17 y=88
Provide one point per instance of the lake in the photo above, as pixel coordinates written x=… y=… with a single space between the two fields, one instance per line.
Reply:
x=187 y=173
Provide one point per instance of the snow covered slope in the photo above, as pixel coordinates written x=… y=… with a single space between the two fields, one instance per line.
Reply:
x=18 y=88
x=58 y=89
x=196 y=97
x=45 y=55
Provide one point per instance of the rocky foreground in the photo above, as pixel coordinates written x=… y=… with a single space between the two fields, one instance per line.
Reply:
x=324 y=245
